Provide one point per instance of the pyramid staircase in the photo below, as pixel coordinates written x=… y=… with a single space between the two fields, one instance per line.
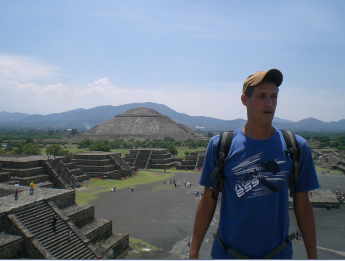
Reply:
x=151 y=158
x=37 y=219
x=26 y=227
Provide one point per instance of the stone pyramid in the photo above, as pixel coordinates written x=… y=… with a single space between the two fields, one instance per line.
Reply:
x=139 y=124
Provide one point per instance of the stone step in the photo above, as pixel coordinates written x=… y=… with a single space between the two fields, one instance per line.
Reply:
x=74 y=254
x=106 y=168
x=30 y=218
x=76 y=172
x=33 y=208
x=54 y=244
x=20 y=164
x=46 y=184
x=25 y=172
x=90 y=156
x=63 y=244
x=97 y=229
x=46 y=237
x=25 y=181
x=97 y=174
x=82 y=177
x=43 y=231
x=191 y=167
x=70 y=165
x=89 y=162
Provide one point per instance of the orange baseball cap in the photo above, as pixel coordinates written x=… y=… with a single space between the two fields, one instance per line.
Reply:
x=256 y=78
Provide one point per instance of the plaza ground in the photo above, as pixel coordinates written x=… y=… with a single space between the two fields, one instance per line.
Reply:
x=159 y=219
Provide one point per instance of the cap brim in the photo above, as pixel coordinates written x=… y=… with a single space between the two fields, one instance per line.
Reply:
x=274 y=74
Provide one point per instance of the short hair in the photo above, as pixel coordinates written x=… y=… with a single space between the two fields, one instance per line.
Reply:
x=249 y=91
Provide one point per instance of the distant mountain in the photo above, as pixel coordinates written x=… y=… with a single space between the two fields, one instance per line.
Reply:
x=84 y=119
x=9 y=116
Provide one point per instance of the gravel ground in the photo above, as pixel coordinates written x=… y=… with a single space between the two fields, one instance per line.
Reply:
x=163 y=216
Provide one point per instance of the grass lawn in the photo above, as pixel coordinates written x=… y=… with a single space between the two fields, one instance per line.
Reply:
x=181 y=151
x=96 y=186
x=320 y=169
x=122 y=151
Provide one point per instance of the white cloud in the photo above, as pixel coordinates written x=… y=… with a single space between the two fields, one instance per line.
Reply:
x=22 y=68
x=20 y=93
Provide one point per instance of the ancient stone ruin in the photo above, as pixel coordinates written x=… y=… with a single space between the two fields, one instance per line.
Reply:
x=194 y=161
x=139 y=124
x=151 y=158
x=334 y=160
x=26 y=229
x=25 y=224
x=109 y=165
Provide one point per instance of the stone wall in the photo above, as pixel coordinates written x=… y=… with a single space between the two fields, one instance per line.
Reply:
x=65 y=200
x=83 y=217
x=53 y=176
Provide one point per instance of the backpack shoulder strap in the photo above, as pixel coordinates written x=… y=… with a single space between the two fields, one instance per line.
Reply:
x=224 y=144
x=292 y=150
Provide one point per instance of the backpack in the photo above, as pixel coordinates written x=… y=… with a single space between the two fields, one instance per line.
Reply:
x=224 y=144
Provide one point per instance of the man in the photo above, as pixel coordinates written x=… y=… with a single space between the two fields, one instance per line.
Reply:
x=32 y=185
x=254 y=218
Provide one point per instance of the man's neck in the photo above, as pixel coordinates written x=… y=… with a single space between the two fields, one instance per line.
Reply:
x=258 y=132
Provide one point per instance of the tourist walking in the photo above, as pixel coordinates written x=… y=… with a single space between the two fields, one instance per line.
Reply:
x=16 y=191
x=32 y=185
x=132 y=188
x=114 y=188
x=55 y=219
x=69 y=234
x=188 y=247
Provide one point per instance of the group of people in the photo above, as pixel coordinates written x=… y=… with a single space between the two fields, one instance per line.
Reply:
x=16 y=189
x=325 y=172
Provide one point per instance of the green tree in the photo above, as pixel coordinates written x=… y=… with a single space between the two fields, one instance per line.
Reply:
x=99 y=146
x=172 y=149
x=210 y=134
x=85 y=143
x=31 y=149
x=53 y=149
x=51 y=133
x=29 y=140
x=186 y=152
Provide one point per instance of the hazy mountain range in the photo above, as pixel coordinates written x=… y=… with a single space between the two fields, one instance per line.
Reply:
x=84 y=119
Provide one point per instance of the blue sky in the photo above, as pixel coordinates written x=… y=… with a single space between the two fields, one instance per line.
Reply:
x=192 y=56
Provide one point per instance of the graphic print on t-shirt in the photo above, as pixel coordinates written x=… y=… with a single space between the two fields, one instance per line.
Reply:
x=255 y=177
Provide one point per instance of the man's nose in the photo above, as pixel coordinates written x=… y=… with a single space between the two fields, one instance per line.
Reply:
x=269 y=102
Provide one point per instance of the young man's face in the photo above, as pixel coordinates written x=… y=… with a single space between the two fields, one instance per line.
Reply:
x=262 y=105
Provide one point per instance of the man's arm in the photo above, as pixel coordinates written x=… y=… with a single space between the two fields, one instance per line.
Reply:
x=203 y=218
x=306 y=222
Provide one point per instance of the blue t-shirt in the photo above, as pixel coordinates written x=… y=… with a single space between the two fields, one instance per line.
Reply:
x=254 y=217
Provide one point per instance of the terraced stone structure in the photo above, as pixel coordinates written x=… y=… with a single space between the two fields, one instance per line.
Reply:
x=26 y=229
x=151 y=158
x=55 y=172
x=139 y=124
x=334 y=160
x=108 y=165
x=193 y=161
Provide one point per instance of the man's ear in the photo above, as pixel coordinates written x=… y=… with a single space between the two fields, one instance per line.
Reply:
x=244 y=99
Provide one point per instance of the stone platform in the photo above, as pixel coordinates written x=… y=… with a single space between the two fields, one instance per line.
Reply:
x=321 y=199
x=26 y=230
